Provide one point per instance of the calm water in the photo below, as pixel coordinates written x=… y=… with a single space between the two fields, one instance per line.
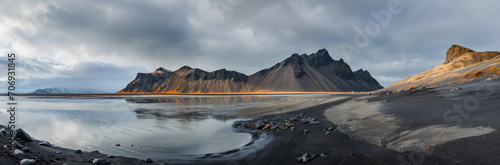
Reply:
x=144 y=126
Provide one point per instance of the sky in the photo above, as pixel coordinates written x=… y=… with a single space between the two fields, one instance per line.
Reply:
x=103 y=44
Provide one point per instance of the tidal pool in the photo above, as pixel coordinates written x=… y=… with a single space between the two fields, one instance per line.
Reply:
x=143 y=126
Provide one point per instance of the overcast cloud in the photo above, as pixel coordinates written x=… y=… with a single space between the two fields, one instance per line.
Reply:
x=103 y=44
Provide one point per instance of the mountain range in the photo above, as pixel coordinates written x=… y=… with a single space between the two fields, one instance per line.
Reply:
x=62 y=90
x=299 y=73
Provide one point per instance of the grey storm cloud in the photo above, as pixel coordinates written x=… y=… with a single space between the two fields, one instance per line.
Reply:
x=85 y=39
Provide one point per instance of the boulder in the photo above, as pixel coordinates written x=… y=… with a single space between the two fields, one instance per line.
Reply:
x=18 y=152
x=45 y=143
x=27 y=162
x=20 y=134
x=99 y=161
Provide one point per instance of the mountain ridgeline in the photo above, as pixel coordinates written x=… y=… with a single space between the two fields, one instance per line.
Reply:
x=316 y=72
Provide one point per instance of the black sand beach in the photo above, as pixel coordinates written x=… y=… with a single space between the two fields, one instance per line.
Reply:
x=418 y=113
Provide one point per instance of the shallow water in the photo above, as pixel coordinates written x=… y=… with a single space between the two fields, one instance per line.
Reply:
x=144 y=126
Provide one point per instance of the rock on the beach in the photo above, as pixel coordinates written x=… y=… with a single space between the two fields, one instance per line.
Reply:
x=78 y=151
x=314 y=122
x=260 y=124
x=330 y=129
x=45 y=143
x=148 y=160
x=27 y=149
x=111 y=156
x=23 y=135
x=27 y=162
x=267 y=126
x=117 y=144
x=306 y=157
x=17 y=144
x=99 y=161
x=311 y=121
x=327 y=132
x=4 y=131
x=18 y=152
x=306 y=131
x=292 y=128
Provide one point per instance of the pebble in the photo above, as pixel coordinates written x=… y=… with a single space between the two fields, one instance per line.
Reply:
x=148 y=160
x=327 y=132
x=45 y=143
x=292 y=128
x=78 y=151
x=314 y=122
x=117 y=144
x=18 y=152
x=306 y=131
x=330 y=129
x=99 y=161
x=260 y=124
x=111 y=156
x=306 y=157
x=27 y=149
x=27 y=162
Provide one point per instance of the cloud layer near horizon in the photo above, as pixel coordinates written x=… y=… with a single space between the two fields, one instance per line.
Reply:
x=108 y=42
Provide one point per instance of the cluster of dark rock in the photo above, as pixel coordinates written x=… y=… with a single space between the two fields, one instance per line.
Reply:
x=276 y=123
x=280 y=123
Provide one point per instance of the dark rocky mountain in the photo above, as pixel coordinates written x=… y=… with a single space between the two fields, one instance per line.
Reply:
x=309 y=73
x=314 y=72
x=186 y=80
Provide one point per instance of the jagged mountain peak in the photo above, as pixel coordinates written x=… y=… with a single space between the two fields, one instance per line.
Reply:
x=319 y=59
x=456 y=51
x=184 y=68
x=365 y=76
x=295 y=59
x=161 y=69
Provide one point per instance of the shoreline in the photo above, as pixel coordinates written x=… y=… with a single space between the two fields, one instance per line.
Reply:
x=201 y=94
x=346 y=142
